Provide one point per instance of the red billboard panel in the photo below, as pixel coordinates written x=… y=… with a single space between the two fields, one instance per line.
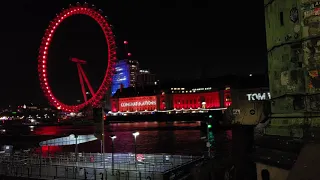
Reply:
x=140 y=103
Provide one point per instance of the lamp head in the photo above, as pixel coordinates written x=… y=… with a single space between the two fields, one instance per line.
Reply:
x=113 y=137
x=135 y=134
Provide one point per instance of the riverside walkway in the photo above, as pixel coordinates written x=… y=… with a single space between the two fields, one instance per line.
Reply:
x=97 y=166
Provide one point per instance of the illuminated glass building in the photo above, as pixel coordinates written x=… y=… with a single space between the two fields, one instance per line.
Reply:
x=125 y=75
x=121 y=76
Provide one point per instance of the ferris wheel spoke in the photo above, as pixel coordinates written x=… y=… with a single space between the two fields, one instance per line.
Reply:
x=81 y=83
x=87 y=81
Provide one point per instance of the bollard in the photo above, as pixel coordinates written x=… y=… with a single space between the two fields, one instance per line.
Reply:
x=101 y=175
x=28 y=172
x=95 y=174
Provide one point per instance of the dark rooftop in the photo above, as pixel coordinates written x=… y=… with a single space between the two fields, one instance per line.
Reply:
x=233 y=81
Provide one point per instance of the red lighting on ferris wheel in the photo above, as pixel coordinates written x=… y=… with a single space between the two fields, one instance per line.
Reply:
x=129 y=54
x=125 y=42
x=43 y=59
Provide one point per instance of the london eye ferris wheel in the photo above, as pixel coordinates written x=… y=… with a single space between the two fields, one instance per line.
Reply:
x=96 y=95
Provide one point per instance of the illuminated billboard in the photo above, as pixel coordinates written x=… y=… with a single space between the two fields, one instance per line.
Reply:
x=121 y=76
x=141 y=103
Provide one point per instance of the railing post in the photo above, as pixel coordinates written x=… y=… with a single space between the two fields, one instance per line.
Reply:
x=101 y=175
x=40 y=161
x=127 y=175
x=118 y=175
x=56 y=167
x=31 y=170
x=66 y=173
x=85 y=174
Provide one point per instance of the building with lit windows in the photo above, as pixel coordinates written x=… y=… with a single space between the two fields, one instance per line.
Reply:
x=134 y=71
x=200 y=98
x=218 y=94
x=146 y=78
x=125 y=75
x=146 y=100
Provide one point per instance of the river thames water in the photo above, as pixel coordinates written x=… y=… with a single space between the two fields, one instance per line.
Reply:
x=155 y=137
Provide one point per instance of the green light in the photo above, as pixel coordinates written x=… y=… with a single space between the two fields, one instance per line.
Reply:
x=211 y=137
x=210 y=116
x=209 y=126
x=14 y=112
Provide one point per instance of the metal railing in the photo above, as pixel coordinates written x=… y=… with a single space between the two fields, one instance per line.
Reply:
x=91 y=165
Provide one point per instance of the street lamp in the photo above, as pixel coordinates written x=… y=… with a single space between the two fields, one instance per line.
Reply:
x=113 y=137
x=135 y=134
x=75 y=136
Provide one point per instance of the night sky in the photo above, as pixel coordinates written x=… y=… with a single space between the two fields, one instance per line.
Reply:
x=175 y=41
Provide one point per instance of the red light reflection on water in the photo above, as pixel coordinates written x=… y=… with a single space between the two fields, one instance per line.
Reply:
x=46 y=150
x=47 y=130
x=155 y=137
x=62 y=130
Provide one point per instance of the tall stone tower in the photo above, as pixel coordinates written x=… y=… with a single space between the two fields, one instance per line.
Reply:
x=293 y=42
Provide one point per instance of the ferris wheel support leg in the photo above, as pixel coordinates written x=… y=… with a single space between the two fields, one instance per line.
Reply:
x=81 y=83
x=87 y=81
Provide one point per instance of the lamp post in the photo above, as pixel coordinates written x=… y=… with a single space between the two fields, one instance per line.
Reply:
x=76 y=148
x=135 y=134
x=113 y=137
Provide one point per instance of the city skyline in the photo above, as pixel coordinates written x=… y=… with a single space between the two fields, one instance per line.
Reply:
x=160 y=38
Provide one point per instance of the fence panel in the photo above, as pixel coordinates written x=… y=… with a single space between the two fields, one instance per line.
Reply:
x=91 y=166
